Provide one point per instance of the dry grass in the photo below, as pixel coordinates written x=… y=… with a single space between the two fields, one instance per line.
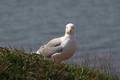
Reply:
x=18 y=65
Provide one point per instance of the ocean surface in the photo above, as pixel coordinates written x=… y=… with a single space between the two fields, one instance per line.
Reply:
x=29 y=24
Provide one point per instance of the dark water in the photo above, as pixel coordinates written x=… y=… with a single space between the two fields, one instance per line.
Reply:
x=30 y=23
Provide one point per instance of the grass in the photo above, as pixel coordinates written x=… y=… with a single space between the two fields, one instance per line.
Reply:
x=18 y=65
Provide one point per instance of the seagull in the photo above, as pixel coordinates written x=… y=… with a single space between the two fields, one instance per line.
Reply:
x=61 y=48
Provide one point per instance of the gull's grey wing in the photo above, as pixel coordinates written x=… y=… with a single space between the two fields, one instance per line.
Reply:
x=53 y=50
x=53 y=46
x=48 y=51
x=54 y=42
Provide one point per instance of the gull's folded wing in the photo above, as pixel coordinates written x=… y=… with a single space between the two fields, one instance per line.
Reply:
x=53 y=46
x=54 y=42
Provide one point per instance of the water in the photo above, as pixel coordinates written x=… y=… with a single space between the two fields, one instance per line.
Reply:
x=31 y=23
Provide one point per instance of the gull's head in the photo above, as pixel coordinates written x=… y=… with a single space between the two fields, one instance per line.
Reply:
x=70 y=29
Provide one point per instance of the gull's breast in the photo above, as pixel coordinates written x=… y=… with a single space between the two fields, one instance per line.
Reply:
x=69 y=45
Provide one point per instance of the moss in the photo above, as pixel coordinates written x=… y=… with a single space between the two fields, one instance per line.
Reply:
x=18 y=65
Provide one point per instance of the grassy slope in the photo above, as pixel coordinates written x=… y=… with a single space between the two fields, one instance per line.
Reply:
x=18 y=65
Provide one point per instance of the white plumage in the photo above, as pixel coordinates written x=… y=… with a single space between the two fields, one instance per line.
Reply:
x=62 y=48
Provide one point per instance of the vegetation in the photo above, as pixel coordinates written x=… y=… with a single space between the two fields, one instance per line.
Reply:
x=18 y=65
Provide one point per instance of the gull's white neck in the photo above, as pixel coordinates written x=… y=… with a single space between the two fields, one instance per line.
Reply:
x=69 y=35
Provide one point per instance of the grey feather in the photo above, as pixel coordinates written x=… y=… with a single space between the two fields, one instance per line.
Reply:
x=53 y=46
